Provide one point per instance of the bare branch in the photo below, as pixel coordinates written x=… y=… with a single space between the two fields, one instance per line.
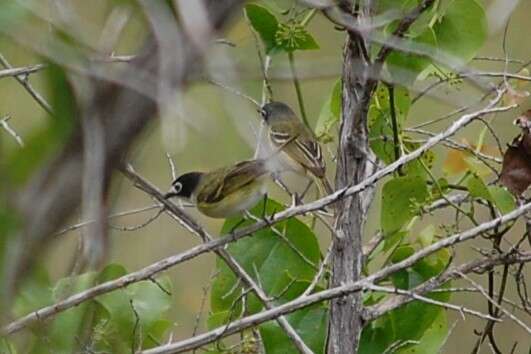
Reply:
x=21 y=71
x=22 y=79
x=166 y=263
x=301 y=302
x=185 y=220
x=11 y=131
x=415 y=296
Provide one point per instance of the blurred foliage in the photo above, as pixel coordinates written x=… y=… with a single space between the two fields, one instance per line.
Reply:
x=284 y=259
x=134 y=317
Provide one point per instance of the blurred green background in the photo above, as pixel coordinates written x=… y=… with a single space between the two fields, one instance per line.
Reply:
x=218 y=129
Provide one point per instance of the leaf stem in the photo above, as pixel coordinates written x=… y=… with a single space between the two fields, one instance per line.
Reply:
x=298 y=89
x=308 y=17
x=396 y=138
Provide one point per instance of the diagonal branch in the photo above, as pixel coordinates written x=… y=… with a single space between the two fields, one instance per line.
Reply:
x=301 y=302
x=22 y=79
x=403 y=27
x=151 y=270
x=416 y=296
x=184 y=219
x=166 y=263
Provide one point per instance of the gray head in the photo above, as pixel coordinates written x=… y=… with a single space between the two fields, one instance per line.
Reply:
x=184 y=185
x=277 y=111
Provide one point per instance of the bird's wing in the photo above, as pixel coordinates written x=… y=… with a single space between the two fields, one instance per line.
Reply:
x=226 y=181
x=299 y=144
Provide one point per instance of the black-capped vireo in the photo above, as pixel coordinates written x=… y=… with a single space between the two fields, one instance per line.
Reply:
x=223 y=192
x=298 y=146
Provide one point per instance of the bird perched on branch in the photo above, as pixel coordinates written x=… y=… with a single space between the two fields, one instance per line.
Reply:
x=224 y=192
x=298 y=146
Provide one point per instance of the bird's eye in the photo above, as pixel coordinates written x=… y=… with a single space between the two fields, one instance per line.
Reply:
x=178 y=187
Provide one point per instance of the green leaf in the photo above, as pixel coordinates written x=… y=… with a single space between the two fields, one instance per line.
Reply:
x=380 y=122
x=417 y=320
x=503 y=199
x=405 y=67
x=478 y=189
x=403 y=6
x=281 y=267
x=401 y=197
x=117 y=318
x=330 y=114
x=463 y=29
x=218 y=319
x=311 y=324
x=433 y=337
x=377 y=336
x=394 y=239
x=59 y=334
x=264 y=23
x=6 y=347
x=427 y=235
x=293 y=36
x=267 y=256
x=498 y=196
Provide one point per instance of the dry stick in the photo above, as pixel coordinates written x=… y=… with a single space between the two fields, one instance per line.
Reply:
x=474 y=290
x=11 y=131
x=151 y=270
x=495 y=303
x=193 y=252
x=138 y=226
x=182 y=218
x=461 y=309
x=434 y=284
x=320 y=272
x=22 y=79
x=236 y=92
x=341 y=291
x=21 y=71
x=112 y=216
x=456 y=145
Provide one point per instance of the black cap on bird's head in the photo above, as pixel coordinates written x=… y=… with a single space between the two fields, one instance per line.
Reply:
x=184 y=185
x=276 y=111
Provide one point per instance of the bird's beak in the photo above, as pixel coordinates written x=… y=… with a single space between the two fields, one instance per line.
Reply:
x=170 y=195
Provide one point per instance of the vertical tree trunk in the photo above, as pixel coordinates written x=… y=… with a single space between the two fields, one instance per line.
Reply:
x=354 y=164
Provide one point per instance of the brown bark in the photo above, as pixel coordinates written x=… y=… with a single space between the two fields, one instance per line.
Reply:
x=355 y=163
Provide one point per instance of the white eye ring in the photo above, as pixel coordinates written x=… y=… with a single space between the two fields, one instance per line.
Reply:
x=177 y=187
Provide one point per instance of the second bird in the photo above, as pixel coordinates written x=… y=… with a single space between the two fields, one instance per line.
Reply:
x=296 y=142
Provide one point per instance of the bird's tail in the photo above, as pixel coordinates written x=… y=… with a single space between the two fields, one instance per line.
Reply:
x=324 y=187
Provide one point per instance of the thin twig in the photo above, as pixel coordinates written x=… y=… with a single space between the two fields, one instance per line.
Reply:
x=298 y=89
x=22 y=79
x=112 y=216
x=495 y=303
x=11 y=131
x=461 y=309
x=283 y=215
x=21 y=71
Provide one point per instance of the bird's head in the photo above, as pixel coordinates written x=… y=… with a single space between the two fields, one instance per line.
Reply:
x=185 y=185
x=276 y=111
